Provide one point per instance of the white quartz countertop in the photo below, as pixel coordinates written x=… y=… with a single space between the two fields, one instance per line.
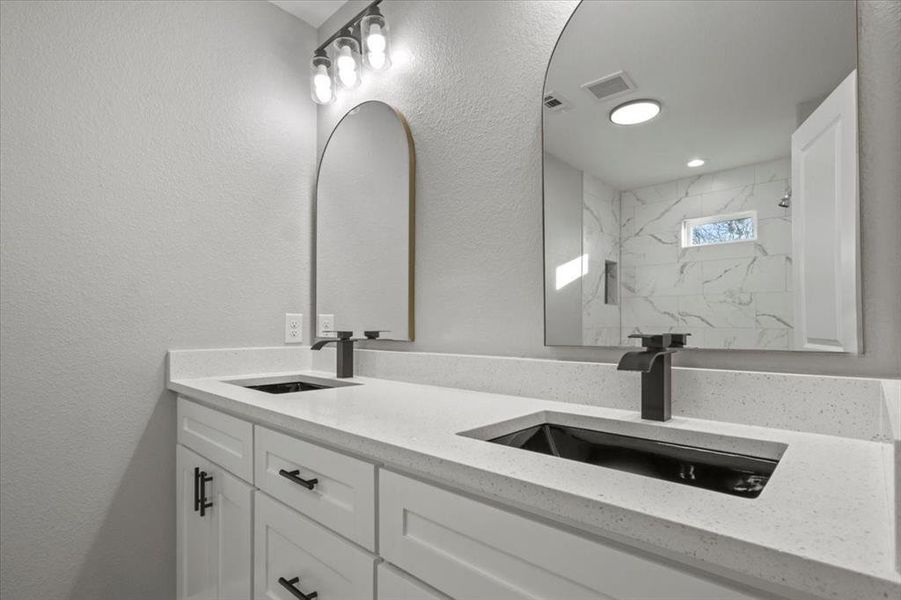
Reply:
x=822 y=528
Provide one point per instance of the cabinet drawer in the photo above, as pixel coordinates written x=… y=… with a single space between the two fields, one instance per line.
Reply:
x=223 y=439
x=287 y=545
x=343 y=497
x=468 y=549
x=396 y=585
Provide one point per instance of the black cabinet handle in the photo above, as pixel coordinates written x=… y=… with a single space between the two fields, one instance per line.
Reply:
x=200 y=501
x=296 y=478
x=288 y=584
x=196 y=489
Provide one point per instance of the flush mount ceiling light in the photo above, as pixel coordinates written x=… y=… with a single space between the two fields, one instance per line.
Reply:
x=340 y=58
x=695 y=162
x=634 y=112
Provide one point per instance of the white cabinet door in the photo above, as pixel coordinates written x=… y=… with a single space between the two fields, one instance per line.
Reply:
x=213 y=529
x=295 y=557
x=825 y=225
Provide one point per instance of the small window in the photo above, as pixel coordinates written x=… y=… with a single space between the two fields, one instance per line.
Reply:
x=719 y=229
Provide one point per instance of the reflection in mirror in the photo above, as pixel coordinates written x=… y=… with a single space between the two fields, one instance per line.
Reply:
x=703 y=180
x=364 y=224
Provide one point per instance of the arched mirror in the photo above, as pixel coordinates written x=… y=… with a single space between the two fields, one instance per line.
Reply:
x=364 y=224
x=700 y=175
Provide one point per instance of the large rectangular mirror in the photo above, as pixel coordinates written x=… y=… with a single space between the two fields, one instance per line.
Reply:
x=700 y=175
x=364 y=224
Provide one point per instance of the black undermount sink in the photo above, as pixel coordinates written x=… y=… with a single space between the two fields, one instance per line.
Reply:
x=288 y=387
x=725 y=472
x=287 y=384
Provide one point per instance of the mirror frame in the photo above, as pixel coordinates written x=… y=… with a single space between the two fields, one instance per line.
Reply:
x=411 y=231
x=859 y=284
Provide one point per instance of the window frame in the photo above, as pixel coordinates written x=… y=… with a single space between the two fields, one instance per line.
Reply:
x=688 y=225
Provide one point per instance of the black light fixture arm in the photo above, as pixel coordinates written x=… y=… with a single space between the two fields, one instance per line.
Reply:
x=351 y=28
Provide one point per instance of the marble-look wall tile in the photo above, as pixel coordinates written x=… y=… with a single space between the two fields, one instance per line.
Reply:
x=779 y=169
x=774 y=339
x=671 y=279
x=653 y=312
x=745 y=287
x=757 y=274
x=664 y=217
x=720 y=310
x=775 y=310
x=651 y=249
x=774 y=236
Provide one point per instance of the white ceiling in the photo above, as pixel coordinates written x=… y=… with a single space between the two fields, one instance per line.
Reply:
x=730 y=77
x=314 y=12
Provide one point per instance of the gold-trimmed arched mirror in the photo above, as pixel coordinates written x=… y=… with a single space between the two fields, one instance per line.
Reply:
x=365 y=198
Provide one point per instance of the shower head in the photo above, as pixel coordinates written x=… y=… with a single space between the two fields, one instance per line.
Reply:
x=786 y=200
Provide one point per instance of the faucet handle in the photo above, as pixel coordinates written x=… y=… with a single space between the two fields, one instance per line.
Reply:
x=373 y=334
x=662 y=340
x=340 y=334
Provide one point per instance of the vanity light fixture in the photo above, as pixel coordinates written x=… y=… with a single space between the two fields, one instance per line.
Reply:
x=374 y=30
x=339 y=59
x=634 y=112
x=322 y=88
x=695 y=163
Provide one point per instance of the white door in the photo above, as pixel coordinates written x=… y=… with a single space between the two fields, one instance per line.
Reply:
x=214 y=531
x=825 y=225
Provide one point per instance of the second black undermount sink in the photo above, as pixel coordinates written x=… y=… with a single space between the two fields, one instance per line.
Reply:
x=729 y=473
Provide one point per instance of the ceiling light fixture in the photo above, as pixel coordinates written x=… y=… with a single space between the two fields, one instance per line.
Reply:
x=635 y=112
x=339 y=60
x=695 y=162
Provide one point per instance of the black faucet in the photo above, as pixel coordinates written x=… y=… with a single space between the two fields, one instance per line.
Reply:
x=655 y=363
x=344 y=341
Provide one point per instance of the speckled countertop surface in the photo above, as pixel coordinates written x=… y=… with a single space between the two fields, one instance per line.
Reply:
x=822 y=528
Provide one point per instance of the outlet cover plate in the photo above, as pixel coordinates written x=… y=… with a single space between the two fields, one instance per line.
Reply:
x=293 y=328
x=325 y=323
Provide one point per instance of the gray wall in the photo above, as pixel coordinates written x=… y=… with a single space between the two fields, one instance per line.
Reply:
x=156 y=161
x=471 y=86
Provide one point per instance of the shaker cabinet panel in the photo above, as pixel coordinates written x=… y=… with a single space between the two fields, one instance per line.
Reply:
x=222 y=438
x=469 y=549
x=293 y=556
x=213 y=531
x=396 y=585
x=331 y=488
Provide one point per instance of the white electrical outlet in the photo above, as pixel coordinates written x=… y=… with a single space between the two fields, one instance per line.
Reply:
x=326 y=324
x=293 y=328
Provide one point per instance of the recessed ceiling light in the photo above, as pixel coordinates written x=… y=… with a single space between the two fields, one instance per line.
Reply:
x=635 y=112
x=695 y=162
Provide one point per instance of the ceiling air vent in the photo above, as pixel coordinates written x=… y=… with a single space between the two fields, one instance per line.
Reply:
x=555 y=102
x=611 y=86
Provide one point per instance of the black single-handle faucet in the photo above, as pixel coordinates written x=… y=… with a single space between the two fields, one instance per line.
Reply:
x=344 y=341
x=655 y=363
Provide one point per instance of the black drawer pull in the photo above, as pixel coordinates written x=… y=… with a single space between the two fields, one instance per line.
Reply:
x=296 y=478
x=200 y=502
x=288 y=584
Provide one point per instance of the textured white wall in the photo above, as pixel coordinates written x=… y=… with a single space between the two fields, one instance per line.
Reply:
x=470 y=81
x=156 y=165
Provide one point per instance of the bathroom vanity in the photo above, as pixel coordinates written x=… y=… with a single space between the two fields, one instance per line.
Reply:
x=392 y=490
